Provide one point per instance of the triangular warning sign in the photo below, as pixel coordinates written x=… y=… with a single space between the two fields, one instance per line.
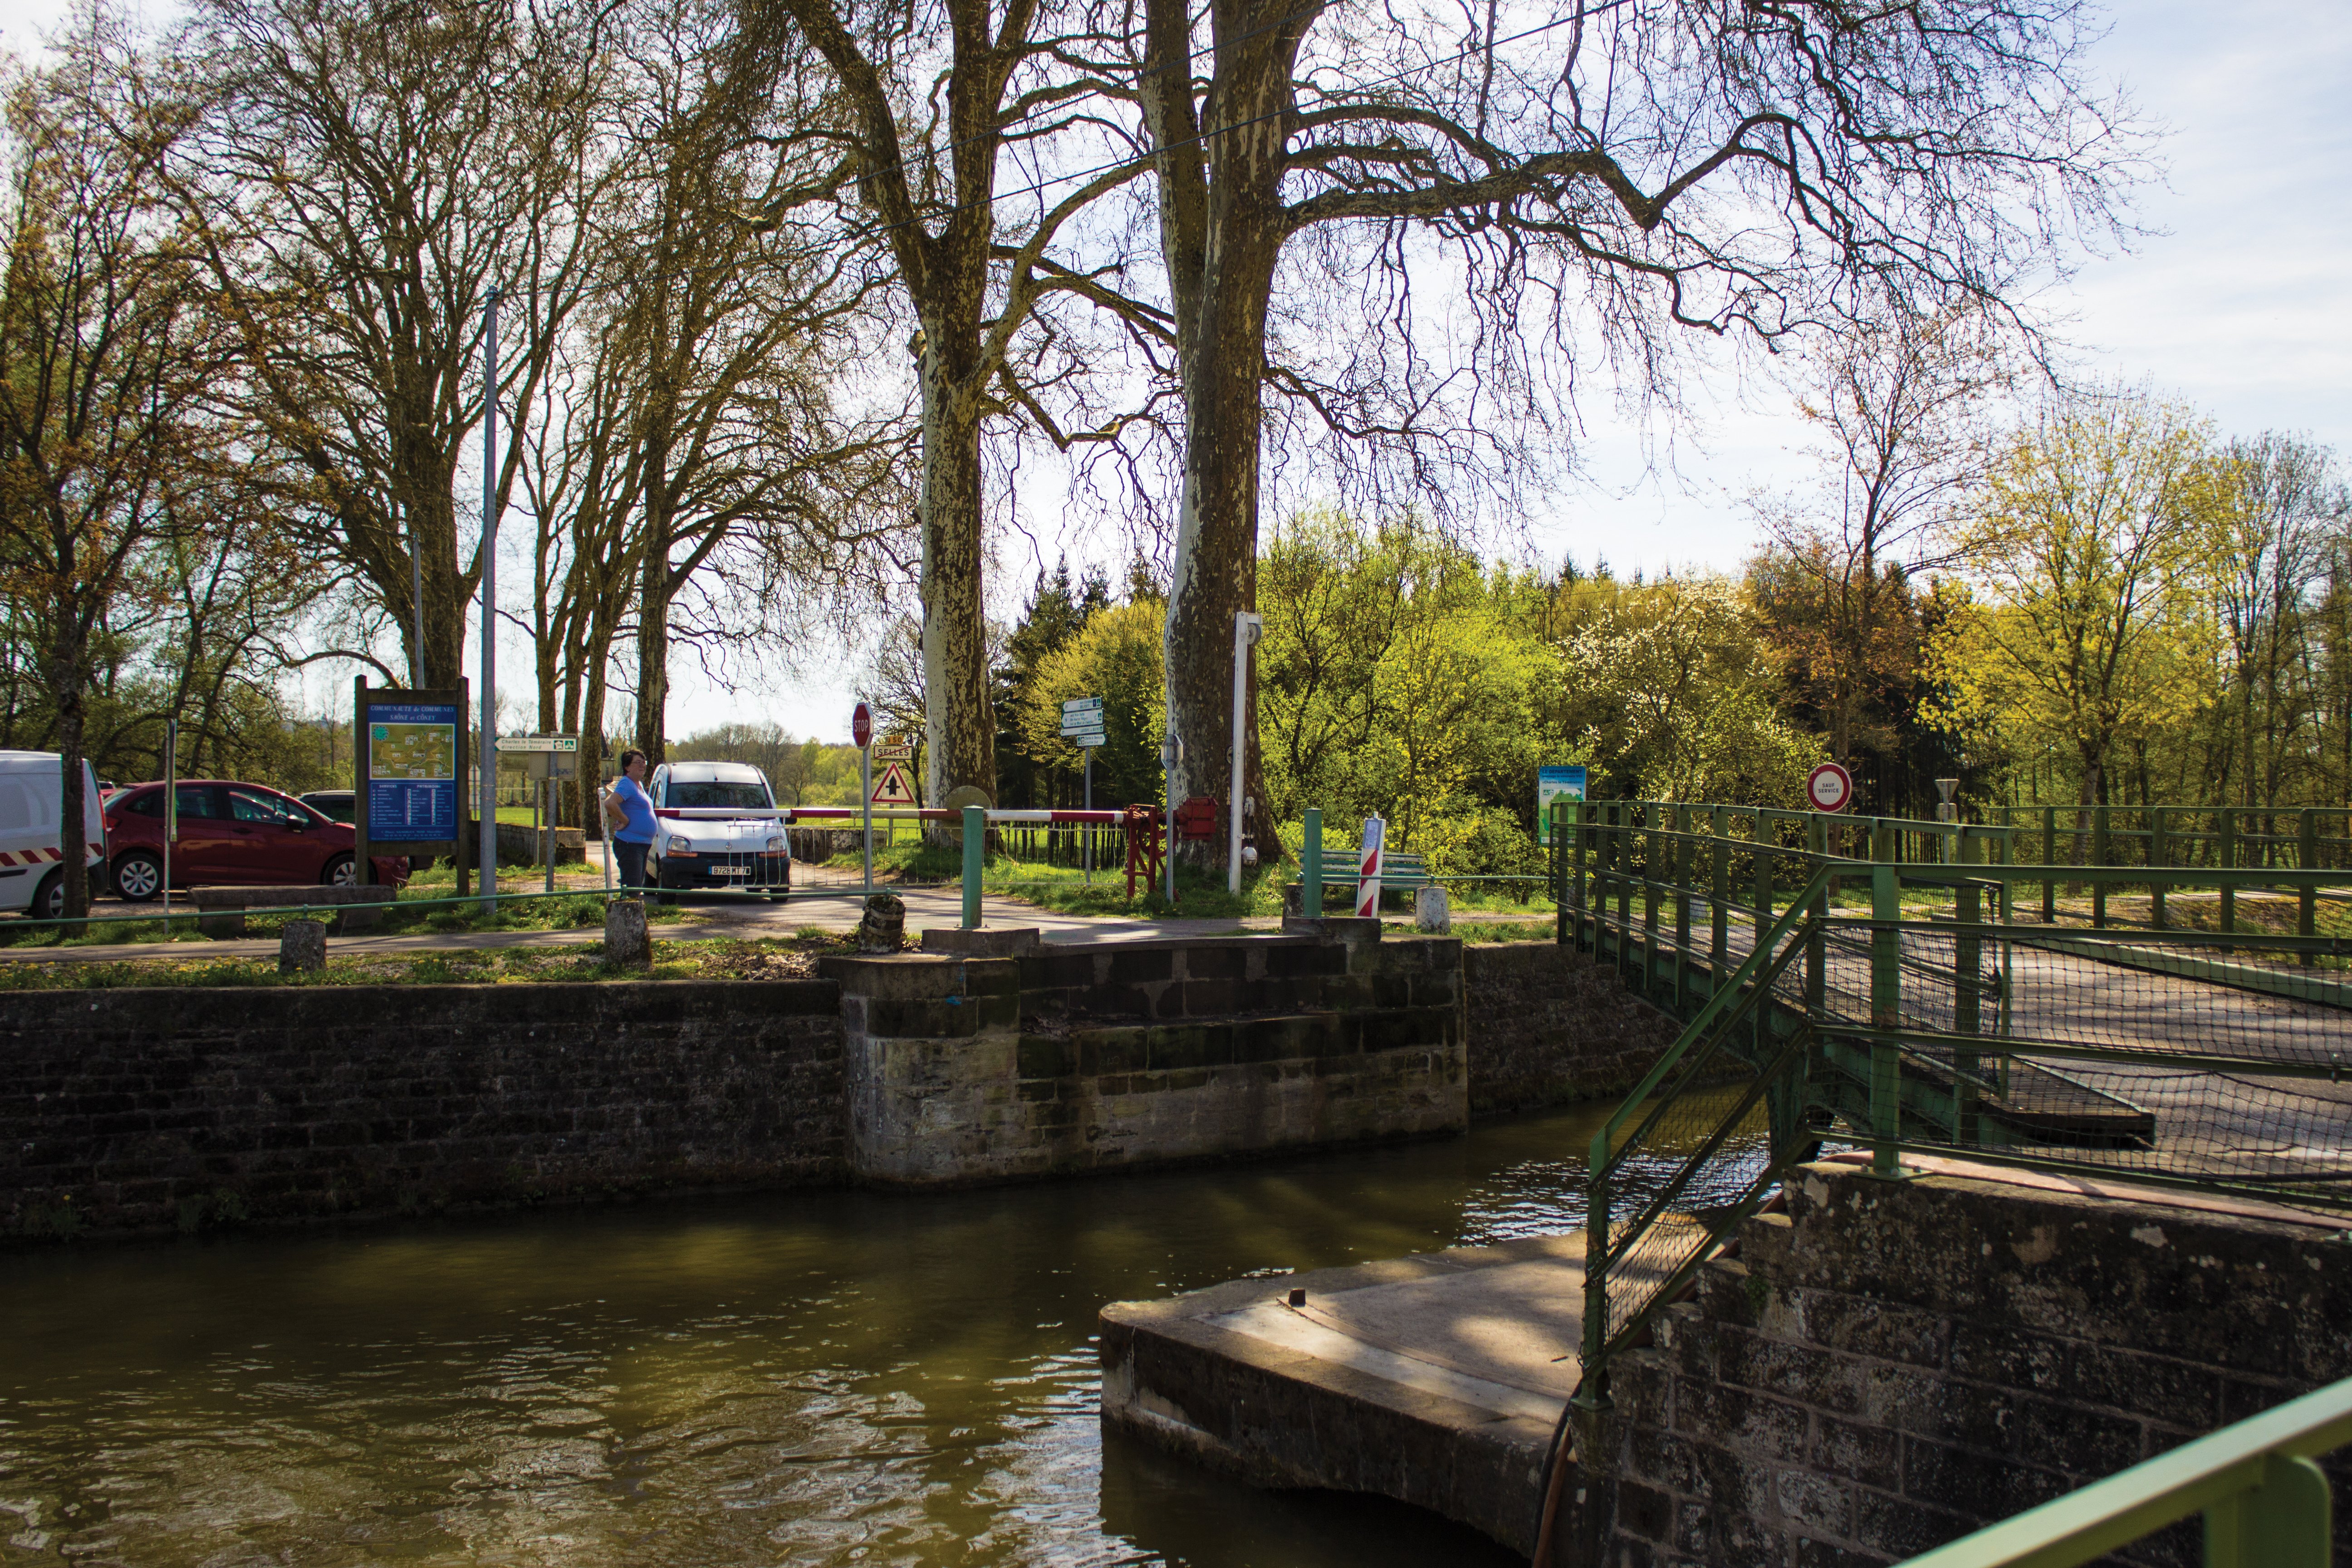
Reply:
x=892 y=788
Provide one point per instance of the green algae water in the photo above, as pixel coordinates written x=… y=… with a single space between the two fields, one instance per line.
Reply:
x=819 y=1378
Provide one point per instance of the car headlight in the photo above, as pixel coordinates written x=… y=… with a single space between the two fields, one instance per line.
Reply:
x=775 y=845
x=679 y=845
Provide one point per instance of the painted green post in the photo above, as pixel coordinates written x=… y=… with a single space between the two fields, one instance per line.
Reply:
x=2282 y=1522
x=1967 y=958
x=2101 y=853
x=1885 y=1013
x=975 y=849
x=1763 y=840
x=2049 y=859
x=2160 y=857
x=1594 y=1393
x=1620 y=862
x=2307 y=859
x=1653 y=872
x=1718 y=900
x=1310 y=872
x=1576 y=872
x=1682 y=907
x=2228 y=837
x=1817 y=839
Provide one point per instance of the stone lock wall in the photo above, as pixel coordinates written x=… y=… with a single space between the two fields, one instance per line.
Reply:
x=1547 y=1024
x=1890 y=1366
x=966 y=1070
x=143 y=1109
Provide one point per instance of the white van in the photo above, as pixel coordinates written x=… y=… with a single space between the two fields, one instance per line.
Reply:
x=715 y=825
x=32 y=858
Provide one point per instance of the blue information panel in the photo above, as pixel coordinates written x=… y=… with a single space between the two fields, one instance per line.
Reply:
x=1560 y=782
x=411 y=772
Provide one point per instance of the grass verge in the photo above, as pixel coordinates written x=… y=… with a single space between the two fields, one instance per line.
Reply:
x=773 y=958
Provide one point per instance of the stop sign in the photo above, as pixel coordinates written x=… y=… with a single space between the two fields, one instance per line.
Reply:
x=861 y=726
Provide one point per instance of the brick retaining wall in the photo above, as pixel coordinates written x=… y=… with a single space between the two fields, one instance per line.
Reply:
x=142 y=1110
x=1547 y=1024
x=1146 y=1053
x=1890 y=1366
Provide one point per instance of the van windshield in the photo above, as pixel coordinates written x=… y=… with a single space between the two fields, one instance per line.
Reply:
x=717 y=796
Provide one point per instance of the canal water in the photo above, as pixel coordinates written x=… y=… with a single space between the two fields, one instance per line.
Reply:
x=815 y=1378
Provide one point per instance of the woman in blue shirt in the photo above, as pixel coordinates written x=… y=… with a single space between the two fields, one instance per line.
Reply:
x=633 y=833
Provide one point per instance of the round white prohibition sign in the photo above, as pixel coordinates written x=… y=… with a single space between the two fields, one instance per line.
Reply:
x=1829 y=787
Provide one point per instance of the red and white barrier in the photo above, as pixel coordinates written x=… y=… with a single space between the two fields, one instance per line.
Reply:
x=909 y=814
x=1367 y=872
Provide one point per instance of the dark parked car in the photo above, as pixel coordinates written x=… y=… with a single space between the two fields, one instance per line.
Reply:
x=341 y=804
x=231 y=833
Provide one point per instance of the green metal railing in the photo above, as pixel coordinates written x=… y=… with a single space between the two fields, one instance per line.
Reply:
x=1955 y=1027
x=2266 y=1504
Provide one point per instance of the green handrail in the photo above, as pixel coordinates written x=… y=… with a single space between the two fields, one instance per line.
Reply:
x=2265 y=1504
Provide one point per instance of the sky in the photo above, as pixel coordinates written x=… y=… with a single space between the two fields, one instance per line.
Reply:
x=2234 y=303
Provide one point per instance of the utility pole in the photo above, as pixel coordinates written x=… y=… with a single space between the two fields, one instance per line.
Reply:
x=487 y=759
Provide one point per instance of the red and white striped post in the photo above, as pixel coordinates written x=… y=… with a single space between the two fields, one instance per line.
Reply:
x=1367 y=872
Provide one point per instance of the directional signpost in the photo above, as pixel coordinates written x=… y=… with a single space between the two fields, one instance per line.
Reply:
x=861 y=732
x=1082 y=726
x=543 y=758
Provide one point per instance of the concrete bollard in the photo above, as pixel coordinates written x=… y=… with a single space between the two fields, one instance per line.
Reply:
x=302 y=947
x=884 y=927
x=1431 y=915
x=626 y=945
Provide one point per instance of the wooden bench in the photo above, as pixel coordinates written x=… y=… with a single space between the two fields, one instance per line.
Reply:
x=220 y=911
x=1399 y=873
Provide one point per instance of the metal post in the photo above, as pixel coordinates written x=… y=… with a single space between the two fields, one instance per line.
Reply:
x=865 y=793
x=2102 y=852
x=416 y=603
x=975 y=842
x=1885 y=1013
x=2159 y=859
x=1817 y=839
x=1682 y=906
x=2229 y=863
x=1561 y=861
x=1245 y=630
x=1310 y=878
x=2307 y=861
x=1087 y=832
x=172 y=813
x=1718 y=900
x=547 y=846
x=487 y=836
x=1592 y=1393
x=1968 y=956
x=2049 y=859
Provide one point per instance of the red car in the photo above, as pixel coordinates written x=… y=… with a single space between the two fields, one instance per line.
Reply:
x=230 y=833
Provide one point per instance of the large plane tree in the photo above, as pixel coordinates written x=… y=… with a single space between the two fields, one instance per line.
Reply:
x=1592 y=183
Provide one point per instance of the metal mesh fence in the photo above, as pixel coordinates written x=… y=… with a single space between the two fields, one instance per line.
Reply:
x=2218 y=1060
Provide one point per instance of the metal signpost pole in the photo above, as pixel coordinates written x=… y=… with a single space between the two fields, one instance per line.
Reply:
x=861 y=730
x=1245 y=630
x=1089 y=829
x=486 y=837
x=170 y=812
x=547 y=833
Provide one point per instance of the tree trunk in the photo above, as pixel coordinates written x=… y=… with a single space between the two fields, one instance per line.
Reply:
x=67 y=682
x=1221 y=239
x=652 y=631
x=959 y=725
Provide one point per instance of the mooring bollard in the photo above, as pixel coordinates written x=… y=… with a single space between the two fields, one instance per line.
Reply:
x=626 y=945
x=884 y=927
x=1430 y=914
x=302 y=947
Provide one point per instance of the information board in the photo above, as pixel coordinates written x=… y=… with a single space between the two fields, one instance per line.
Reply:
x=1562 y=782
x=412 y=771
